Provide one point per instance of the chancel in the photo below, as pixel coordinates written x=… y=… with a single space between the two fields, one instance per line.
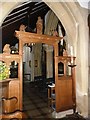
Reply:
x=44 y=61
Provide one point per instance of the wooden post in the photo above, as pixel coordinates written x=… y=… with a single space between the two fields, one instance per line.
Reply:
x=73 y=88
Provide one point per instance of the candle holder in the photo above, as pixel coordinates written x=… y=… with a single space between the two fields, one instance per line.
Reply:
x=72 y=62
x=72 y=65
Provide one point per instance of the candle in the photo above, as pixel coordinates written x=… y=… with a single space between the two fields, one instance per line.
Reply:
x=71 y=59
x=71 y=50
x=71 y=54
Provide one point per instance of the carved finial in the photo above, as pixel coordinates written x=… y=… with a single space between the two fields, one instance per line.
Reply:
x=22 y=27
x=55 y=33
x=7 y=49
x=39 y=25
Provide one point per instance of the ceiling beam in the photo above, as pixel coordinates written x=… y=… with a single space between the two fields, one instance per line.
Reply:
x=13 y=21
x=38 y=10
x=21 y=10
x=23 y=4
x=15 y=17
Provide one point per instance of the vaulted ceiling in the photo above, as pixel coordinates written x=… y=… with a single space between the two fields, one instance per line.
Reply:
x=25 y=13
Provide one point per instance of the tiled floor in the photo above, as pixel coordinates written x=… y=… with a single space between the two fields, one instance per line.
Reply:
x=35 y=102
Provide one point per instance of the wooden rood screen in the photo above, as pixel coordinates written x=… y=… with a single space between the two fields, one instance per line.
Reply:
x=64 y=86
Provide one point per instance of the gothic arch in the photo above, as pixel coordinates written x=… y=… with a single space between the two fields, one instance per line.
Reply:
x=75 y=29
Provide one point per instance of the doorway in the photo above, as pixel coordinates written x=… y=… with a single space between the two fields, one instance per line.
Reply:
x=35 y=98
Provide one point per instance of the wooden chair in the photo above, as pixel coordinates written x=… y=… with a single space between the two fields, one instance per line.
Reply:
x=10 y=111
x=51 y=96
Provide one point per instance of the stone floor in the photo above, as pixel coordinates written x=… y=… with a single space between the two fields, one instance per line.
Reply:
x=36 y=104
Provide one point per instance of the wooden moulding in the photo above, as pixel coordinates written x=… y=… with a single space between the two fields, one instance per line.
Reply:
x=5 y=81
x=28 y=37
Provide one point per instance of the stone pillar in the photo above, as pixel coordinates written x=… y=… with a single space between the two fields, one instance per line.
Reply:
x=32 y=65
x=49 y=61
x=89 y=65
x=37 y=49
x=39 y=25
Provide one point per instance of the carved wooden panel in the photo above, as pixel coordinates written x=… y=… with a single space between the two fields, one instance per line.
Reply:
x=64 y=94
x=14 y=91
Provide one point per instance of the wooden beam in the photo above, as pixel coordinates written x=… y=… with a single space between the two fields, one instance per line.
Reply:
x=28 y=37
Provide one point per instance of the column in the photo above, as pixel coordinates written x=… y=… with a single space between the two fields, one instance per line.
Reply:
x=49 y=61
